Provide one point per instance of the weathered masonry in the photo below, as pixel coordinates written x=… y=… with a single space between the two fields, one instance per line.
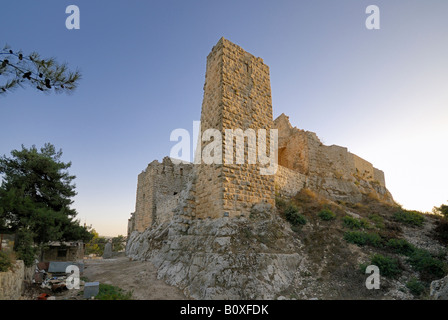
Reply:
x=237 y=95
x=158 y=189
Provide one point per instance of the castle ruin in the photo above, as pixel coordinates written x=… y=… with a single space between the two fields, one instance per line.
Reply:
x=237 y=95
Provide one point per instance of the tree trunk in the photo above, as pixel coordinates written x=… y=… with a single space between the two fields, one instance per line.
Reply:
x=41 y=253
x=16 y=240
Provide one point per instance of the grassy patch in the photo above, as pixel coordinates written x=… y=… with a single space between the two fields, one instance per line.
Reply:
x=363 y=238
x=353 y=223
x=415 y=286
x=400 y=246
x=422 y=260
x=305 y=196
x=290 y=212
x=412 y=218
x=6 y=261
x=293 y=216
x=441 y=231
x=389 y=267
x=429 y=267
x=377 y=220
x=110 y=292
x=280 y=203
x=247 y=233
x=326 y=215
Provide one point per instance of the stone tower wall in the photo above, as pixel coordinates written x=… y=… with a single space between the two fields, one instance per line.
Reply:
x=158 y=190
x=209 y=185
x=237 y=95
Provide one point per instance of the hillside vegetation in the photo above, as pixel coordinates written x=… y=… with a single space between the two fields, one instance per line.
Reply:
x=342 y=239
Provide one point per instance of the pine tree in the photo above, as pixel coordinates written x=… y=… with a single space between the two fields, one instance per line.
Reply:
x=36 y=197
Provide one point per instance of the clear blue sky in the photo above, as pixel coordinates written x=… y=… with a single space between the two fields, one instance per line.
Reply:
x=381 y=93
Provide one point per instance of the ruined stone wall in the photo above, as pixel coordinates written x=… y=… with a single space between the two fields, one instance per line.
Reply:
x=293 y=152
x=143 y=205
x=64 y=253
x=288 y=182
x=378 y=175
x=157 y=189
x=11 y=282
x=318 y=160
x=302 y=151
x=131 y=223
x=237 y=95
x=165 y=205
x=363 y=168
x=341 y=161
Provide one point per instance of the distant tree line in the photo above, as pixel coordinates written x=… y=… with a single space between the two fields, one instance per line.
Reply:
x=96 y=244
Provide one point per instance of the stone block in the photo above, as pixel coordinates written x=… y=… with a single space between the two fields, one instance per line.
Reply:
x=61 y=266
x=91 y=289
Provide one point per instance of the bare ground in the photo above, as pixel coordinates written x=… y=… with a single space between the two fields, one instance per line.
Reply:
x=140 y=277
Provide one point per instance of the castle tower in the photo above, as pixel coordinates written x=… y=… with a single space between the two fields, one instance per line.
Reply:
x=158 y=189
x=237 y=95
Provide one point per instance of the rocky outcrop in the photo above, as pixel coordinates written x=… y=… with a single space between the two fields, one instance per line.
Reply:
x=225 y=258
x=439 y=289
x=11 y=282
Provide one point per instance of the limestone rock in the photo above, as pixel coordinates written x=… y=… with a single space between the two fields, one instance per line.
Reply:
x=439 y=289
x=107 y=254
x=221 y=258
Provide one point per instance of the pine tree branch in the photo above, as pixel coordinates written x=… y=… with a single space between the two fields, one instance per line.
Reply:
x=44 y=74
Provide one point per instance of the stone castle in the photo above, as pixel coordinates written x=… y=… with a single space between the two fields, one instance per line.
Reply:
x=237 y=94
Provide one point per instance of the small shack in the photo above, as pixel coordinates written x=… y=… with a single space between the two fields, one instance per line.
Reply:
x=64 y=251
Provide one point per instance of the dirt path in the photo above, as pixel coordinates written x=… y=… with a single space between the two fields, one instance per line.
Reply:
x=138 y=276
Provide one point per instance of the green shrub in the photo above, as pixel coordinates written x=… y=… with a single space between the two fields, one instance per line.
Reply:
x=378 y=220
x=363 y=238
x=413 y=218
x=353 y=223
x=26 y=250
x=415 y=286
x=388 y=266
x=430 y=267
x=291 y=208
x=441 y=231
x=400 y=246
x=280 y=203
x=290 y=211
x=293 y=216
x=443 y=210
x=5 y=261
x=110 y=292
x=426 y=264
x=326 y=215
